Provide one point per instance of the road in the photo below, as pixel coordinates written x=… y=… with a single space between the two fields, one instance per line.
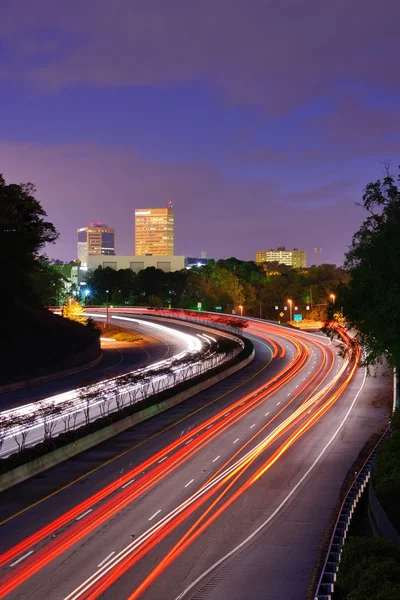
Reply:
x=31 y=423
x=182 y=497
x=116 y=360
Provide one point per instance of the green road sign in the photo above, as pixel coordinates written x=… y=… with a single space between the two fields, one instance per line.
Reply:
x=297 y=317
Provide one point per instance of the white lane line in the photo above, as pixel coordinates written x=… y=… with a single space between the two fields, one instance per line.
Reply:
x=106 y=559
x=84 y=514
x=162 y=459
x=127 y=483
x=297 y=385
x=188 y=442
x=289 y=393
x=189 y=482
x=251 y=427
x=209 y=426
x=237 y=439
x=21 y=558
x=308 y=372
x=241 y=404
x=304 y=378
x=216 y=458
x=226 y=414
x=282 y=504
x=155 y=514
x=278 y=403
x=266 y=414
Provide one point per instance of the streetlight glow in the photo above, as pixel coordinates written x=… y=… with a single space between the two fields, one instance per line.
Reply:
x=241 y=309
x=290 y=302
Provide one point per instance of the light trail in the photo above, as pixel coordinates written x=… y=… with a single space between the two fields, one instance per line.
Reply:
x=197 y=438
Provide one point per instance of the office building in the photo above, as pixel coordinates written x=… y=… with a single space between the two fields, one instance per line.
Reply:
x=136 y=263
x=154 y=231
x=292 y=258
x=95 y=240
x=299 y=259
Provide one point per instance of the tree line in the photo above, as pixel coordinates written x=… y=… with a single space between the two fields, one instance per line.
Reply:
x=223 y=285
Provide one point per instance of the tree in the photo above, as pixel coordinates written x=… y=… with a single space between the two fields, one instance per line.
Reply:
x=371 y=299
x=73 y=310
x=24 y=231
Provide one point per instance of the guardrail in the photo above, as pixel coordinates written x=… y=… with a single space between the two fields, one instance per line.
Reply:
x=326 y=582
x=31 y=424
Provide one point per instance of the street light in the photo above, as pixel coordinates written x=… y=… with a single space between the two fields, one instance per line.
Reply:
x=333 y=298
x=290 y=302
x=241 y=309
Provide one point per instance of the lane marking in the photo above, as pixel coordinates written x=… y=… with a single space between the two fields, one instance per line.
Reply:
x=106 y=559
x=189 y=482
x=237 y=439
x=84 y=514
x=162 y=459
x=251 y=426
x=188 y=442
x=282 y=504
x=226 y=414
x=297 y=385
x=210 y=426
x=21 y=558
x=278 y=403
x=155 y=514
x=266 y=414
x=127 y=483
x=216 y=458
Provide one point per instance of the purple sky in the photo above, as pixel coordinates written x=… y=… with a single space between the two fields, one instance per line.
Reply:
x=261 y=120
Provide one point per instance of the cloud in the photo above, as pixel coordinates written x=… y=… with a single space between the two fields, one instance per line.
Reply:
x=273 y=56
x=224 y=216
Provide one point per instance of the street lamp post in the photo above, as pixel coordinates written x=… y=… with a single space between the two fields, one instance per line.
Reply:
x=241 y=309
x=290 y=302
x=106 y=323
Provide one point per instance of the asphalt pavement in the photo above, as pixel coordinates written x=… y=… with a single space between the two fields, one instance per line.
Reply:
x=186 y=491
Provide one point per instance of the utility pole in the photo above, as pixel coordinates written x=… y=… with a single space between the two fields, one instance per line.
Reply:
x=260 y=309
x=234 y=290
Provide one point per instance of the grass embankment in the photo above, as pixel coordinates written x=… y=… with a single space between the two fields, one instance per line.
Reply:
x=36 y=342
x=386 y=475
x=119 y=335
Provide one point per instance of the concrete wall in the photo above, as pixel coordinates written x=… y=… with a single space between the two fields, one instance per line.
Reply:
x=136 y=263
x=61 y=454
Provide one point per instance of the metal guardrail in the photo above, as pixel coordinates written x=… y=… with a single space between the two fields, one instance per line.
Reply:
x=326 y=582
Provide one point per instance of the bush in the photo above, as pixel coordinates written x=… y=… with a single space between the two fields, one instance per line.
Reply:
x=369 y=570
x=386 y=475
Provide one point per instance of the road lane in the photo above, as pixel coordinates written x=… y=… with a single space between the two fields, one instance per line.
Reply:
x=222 y=442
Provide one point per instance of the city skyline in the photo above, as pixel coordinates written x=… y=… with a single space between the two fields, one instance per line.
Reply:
x=268 y=141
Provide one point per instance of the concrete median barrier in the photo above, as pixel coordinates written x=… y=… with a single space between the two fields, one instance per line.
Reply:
x=62 y=454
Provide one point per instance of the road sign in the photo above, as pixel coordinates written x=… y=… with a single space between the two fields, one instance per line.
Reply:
x=199 y=305
x=218 y=308
x=276 y=307
x=297 y=317
x=281 y=314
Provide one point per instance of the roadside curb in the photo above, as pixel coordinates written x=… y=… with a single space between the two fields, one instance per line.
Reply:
x=51 y=459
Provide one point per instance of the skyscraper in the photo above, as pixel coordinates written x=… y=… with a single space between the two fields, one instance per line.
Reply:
x=95 y=239
x=154 y=231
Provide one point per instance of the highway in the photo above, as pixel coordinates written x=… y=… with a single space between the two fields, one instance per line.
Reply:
x=116 y=360
x=154 y=520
